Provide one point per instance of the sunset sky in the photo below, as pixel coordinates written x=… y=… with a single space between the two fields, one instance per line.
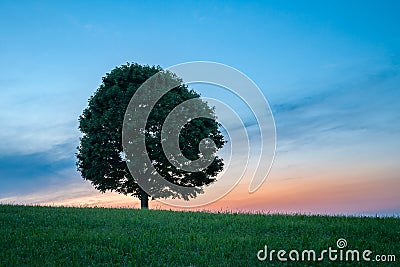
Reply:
x=330 y=71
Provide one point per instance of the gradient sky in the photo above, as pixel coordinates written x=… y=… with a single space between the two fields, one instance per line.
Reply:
x=329 y=69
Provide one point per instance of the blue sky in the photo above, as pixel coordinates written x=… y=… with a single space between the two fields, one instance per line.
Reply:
x=329 y=69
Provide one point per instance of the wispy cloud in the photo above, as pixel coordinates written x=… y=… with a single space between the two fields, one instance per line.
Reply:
x=20 y=174
x=362 y=106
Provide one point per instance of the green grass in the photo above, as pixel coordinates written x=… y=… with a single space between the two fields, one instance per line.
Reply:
x=50 y=236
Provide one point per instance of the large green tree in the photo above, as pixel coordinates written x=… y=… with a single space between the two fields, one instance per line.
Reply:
x=101 y=158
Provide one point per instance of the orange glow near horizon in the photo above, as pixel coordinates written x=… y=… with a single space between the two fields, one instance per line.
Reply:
x=325 y=195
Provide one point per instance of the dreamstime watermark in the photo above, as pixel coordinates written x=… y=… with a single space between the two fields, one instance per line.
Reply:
x=338 y=253
x=243 y=149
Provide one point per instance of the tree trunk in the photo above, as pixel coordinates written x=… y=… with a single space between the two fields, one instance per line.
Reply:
x=144 y=199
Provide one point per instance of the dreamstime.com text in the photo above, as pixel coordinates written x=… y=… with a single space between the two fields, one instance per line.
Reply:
x=340 y=253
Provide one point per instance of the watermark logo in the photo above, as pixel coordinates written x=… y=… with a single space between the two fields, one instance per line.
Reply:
x=341 y=243
x=244 y=147
x=338 y=253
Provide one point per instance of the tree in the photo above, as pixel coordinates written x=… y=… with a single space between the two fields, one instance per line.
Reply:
x=101 y=158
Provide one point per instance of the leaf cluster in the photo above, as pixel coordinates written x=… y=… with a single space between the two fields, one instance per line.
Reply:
x=100 y=157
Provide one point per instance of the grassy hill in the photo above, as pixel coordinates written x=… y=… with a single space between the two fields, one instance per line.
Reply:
x=52 y=236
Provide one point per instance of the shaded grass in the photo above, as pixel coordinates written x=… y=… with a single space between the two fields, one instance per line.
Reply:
x=54 y=236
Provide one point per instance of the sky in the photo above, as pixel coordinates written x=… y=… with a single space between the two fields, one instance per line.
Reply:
x=330 y=71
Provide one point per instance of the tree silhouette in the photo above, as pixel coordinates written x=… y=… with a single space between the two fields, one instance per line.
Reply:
x=102 y=158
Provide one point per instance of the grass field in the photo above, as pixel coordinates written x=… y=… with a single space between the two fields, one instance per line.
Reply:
x=54 y=236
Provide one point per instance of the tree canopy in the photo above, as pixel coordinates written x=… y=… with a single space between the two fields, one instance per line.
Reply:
x=101 y=158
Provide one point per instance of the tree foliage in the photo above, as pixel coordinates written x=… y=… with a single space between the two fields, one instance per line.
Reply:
x=100 y=157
